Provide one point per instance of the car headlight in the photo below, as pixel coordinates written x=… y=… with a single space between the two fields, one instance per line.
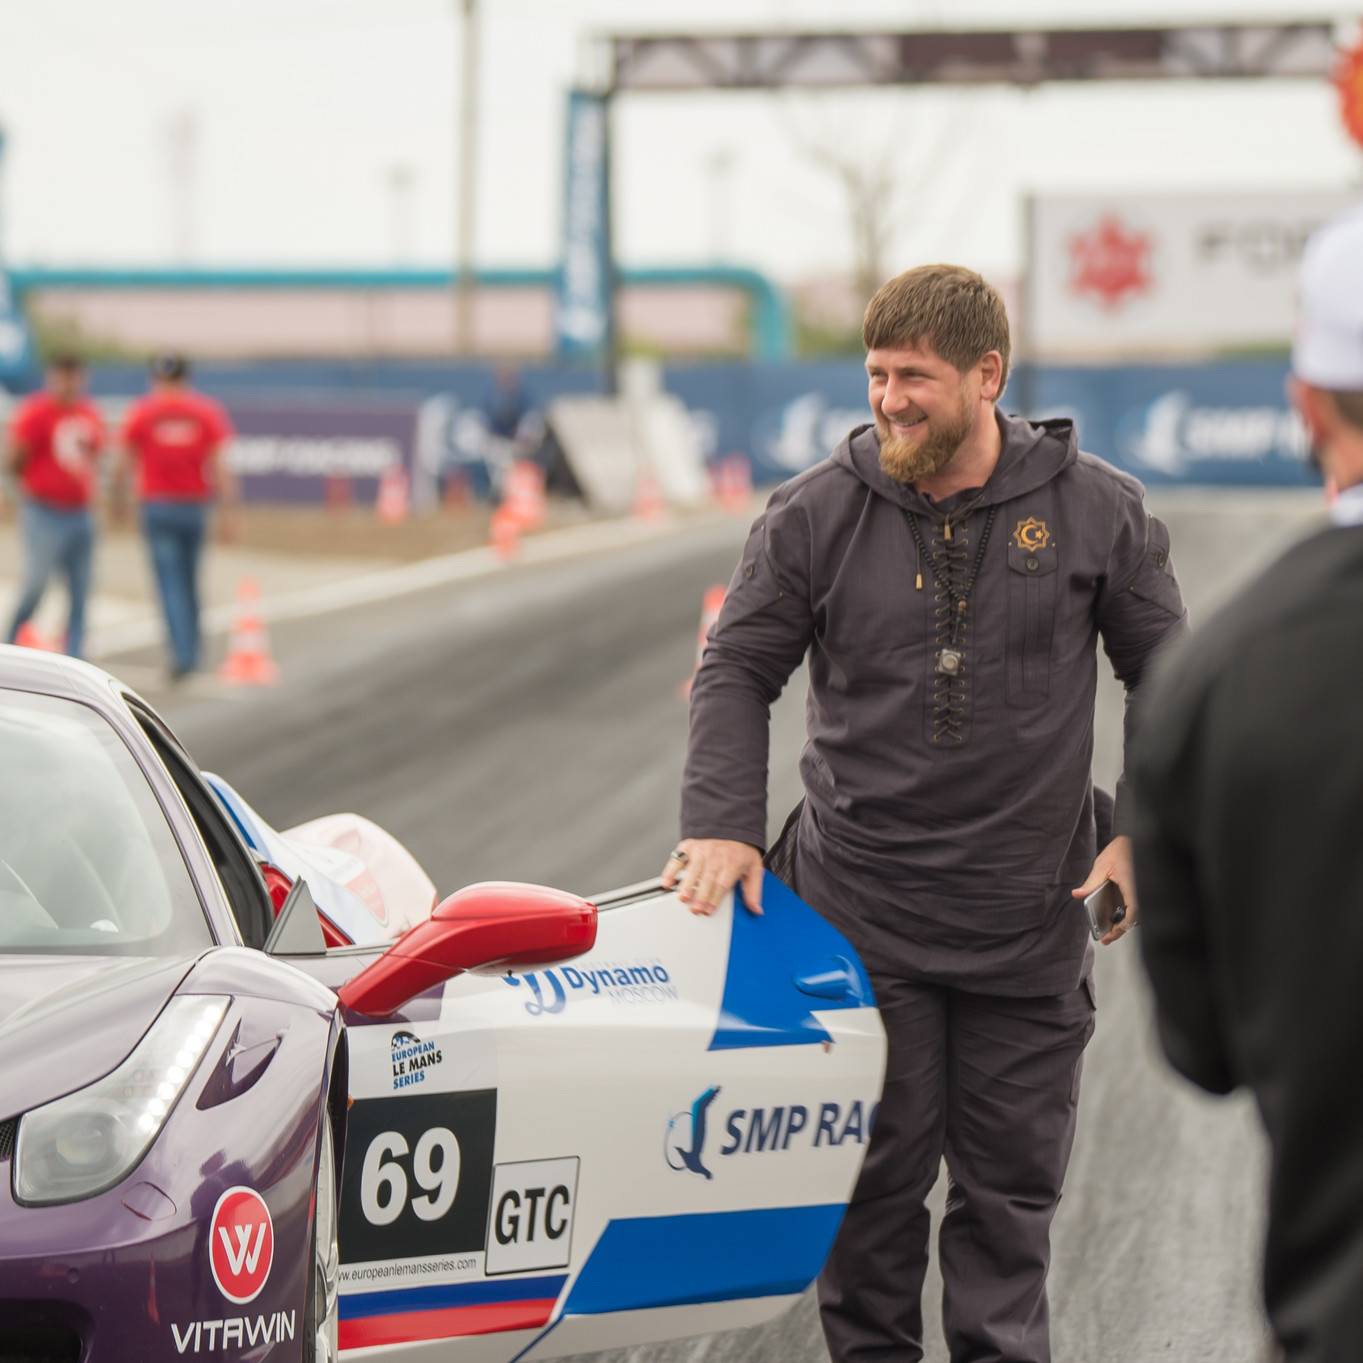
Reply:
x=86 y=1142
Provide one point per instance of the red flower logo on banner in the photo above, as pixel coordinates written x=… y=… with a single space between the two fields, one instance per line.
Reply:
x=1349 y=83
x=1110 y=262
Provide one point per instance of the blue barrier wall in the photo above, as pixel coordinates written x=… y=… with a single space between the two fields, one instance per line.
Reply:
x=1226 y=422
x=1223 y=422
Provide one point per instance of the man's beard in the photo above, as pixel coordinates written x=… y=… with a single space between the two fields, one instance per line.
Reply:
x=906 y=460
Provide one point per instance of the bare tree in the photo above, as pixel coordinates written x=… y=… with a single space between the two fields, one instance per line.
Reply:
x=869 y=190
x=872 y=180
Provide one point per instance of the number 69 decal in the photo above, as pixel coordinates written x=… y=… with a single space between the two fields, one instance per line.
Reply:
x=418 y=1175
x=384 y=1183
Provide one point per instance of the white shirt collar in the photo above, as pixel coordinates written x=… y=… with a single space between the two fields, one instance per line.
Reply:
x=1347 y=508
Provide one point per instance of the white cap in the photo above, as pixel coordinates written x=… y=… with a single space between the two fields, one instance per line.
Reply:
x=1328 y=351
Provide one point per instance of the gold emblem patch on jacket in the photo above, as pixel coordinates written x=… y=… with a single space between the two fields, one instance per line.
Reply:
x=1031 y=535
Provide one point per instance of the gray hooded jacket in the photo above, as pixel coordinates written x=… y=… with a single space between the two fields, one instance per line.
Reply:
x=956 y=809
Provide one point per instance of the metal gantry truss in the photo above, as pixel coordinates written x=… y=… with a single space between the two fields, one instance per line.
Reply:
x=764 y=61
x=1301 y=49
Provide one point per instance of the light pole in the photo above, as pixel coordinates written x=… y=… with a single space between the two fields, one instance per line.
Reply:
x=2 y=195
x=400 y=177
x=182 y=166
x=720 y=165
x=466 y=207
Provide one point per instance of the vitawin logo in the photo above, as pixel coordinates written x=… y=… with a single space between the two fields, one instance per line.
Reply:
x=241 y=1248
x=1031 y=535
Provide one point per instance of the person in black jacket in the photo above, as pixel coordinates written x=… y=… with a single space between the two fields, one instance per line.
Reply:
x=948 y=572
x=1247 y=784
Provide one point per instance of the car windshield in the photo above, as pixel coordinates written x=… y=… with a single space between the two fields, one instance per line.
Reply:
x=88 y=862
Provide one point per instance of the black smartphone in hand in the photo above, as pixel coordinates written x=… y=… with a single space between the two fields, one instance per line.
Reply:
x=1106 y=909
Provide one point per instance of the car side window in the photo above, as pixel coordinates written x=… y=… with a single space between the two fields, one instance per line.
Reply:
x=236 y=868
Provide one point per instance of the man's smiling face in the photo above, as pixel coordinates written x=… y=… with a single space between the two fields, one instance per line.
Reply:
x=924 y=407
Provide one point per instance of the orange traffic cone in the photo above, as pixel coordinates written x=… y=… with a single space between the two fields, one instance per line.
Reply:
x=457 y=493
x=506 y=533
x=394 y=500
x=711 y=605
x=733 y=483
x=648 y=498
x=28 y=636
x=248 y=659
x=523 y=494
x=340 y=494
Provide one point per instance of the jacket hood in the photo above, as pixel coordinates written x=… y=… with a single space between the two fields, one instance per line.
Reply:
x=1033 y=453
x=66 y=1021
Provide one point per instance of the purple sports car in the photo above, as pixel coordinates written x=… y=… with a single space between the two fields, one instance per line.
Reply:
x=172 y=1097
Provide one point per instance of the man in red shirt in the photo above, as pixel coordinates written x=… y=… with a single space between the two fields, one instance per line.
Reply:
x=175 y=438
x=54 y=441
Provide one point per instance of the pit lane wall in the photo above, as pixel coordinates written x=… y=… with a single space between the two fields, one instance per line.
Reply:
x=1223 y=422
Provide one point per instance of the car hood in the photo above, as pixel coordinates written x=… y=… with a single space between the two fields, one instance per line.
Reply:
x=66 y=1021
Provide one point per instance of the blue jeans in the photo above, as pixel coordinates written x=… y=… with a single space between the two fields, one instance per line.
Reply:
x=55 y=538
x=175 y=532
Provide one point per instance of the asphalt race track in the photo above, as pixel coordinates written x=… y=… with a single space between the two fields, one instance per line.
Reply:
x=529 y=727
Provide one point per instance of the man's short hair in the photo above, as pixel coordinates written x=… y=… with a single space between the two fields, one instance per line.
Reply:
x=952 y=309
x=66 y=362
x=170 y=368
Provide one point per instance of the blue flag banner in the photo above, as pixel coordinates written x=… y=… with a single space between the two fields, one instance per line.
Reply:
x=582 y=308
x=16 y=345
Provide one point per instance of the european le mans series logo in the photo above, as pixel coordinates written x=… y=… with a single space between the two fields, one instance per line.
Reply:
x=412 y=1058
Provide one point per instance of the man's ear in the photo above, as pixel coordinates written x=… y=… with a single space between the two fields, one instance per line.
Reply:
x=1316 y=409
x=991 y=376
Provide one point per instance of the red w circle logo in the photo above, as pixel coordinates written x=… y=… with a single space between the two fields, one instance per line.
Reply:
x=241 y=1237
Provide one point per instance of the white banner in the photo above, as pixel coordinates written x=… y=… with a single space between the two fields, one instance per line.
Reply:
x=1142 y=274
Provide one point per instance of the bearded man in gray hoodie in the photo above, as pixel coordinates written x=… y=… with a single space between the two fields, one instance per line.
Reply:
x=948 y=573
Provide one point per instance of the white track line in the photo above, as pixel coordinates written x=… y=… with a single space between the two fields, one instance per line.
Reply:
x=124 y=636
x=386 y=583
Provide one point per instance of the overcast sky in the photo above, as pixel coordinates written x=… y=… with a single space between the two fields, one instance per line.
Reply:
x=299 y=117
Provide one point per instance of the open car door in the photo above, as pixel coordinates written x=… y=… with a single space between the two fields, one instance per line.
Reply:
x=655 y=1139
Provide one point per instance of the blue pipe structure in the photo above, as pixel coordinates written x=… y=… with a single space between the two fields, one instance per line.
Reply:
x=772 y=328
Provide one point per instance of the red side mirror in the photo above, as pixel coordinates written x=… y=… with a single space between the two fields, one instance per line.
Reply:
x=497 y=923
